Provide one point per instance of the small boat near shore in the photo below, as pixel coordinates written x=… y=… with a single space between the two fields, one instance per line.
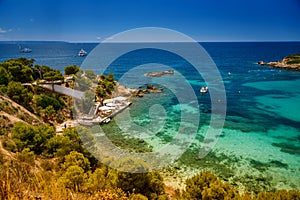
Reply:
x=203 y=90
x=82 y=53
x=107 y=120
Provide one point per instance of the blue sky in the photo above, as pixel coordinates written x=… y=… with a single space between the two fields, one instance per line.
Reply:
x=210 y=20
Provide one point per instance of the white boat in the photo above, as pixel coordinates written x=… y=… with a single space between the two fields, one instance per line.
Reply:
x=25 y=50
x=82 y=52
x=203 y=90
x=107 y=120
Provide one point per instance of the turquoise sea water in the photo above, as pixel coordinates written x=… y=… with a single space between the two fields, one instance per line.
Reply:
x=259 y=147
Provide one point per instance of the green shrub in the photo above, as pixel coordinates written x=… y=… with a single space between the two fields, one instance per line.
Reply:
x=98 y=180
x=71 y=69
x=60 y=118
x=293 y=59
x=293 y=56
x=26 y=156
x=19 y=94
x=44 y=101
x=4 y=76
x=206 y=186
x=137 y=180
x=83 y=83
x=110 y=77
x=49 y=111
x=9 y=145
x=90 y=74
x=3 y=89
x=20 y=70
x=34 y=138
x=53 y=75
x=23 y=135
x=76 y=159
x=73 y=178
x=58 y=146
x=3 y=131
x=291 y=62
x=106 y=85
x=219 y=190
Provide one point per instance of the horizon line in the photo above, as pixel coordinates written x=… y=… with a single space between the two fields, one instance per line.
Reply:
x=225 y=41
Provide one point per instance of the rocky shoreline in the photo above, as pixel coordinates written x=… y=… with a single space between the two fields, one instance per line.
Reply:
x=291 y=62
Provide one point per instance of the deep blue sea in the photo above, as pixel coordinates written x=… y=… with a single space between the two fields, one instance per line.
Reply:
x=260 y=142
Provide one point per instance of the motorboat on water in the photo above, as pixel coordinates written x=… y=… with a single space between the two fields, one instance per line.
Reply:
x=25 y=50
x=82 y=52
x=203 y=90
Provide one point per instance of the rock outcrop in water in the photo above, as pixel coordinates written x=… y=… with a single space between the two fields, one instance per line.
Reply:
x=159 y=74
x=149 y=89
x=289 y=62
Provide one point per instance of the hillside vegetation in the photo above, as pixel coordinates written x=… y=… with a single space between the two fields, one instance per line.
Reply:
x=292 y=59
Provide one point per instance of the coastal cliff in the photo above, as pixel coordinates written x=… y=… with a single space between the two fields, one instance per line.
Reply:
x=289 y=62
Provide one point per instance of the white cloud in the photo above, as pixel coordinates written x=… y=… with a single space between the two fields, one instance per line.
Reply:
x=5 y=31
x=98 y=38
x=109 y=38
x=2 y=31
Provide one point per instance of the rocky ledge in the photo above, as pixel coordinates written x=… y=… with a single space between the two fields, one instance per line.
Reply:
x=149 y=89
x=159 y=74
x=289 y=62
